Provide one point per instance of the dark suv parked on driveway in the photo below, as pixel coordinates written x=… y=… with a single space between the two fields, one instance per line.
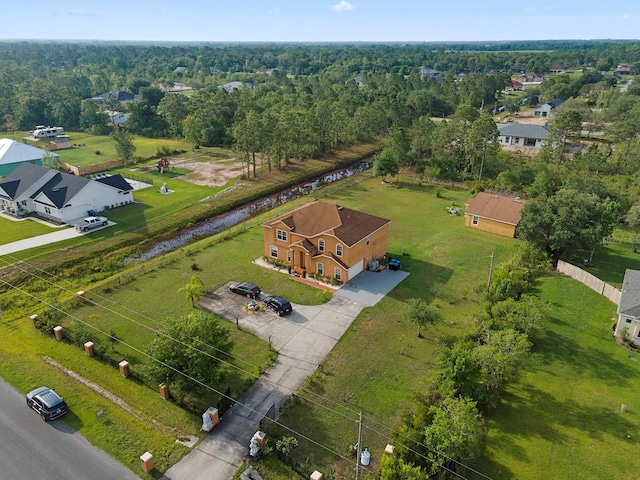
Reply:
x=280 y=305
x=247 y=289
x=47 y=403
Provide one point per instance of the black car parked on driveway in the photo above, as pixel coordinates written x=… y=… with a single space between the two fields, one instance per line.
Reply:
x=280 y=305
x=47 y=403
x=247 y=289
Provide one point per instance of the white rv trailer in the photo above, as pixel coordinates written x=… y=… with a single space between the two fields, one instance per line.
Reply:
x=47 y=132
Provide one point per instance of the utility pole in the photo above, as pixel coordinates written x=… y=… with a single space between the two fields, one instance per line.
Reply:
x=490 y=270
x=359 y=446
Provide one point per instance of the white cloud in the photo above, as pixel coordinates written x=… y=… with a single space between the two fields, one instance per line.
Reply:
x=548 y=7
x=342 y=6
x=530 y=10
x=164 y=9
x=625 y=15
x=82 y=13
x=274 y=11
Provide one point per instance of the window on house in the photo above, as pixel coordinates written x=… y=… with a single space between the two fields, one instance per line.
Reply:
x=475 y=220
x=338 y=274
x=321 y=245
x=274 y=252
x=339 y=250
x=320 y=268
x=368 y=240
x=288 y=255
x=628 y=320
x=517 y=140
x=47 y=210
x=281 y=235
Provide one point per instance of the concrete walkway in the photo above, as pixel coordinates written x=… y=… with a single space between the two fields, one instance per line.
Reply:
x=303 y=339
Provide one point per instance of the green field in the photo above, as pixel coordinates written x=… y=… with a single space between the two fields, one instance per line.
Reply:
x=568 y=400
x=91 y=144
x=366 y=369
x=563 y=419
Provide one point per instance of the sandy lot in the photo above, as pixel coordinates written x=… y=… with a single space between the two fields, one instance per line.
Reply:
x=211 y=169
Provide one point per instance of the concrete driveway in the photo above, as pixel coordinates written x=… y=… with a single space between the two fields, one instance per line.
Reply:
x=369 y=288
x=303 y=339
x=45 y=239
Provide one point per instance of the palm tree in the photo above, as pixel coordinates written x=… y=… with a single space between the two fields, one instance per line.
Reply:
x=194 y=290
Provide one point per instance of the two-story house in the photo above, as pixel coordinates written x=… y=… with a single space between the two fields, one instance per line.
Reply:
x=629 y=308
x=326 y=239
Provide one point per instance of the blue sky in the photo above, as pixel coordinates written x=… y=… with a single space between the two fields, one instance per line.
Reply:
x=320 y=20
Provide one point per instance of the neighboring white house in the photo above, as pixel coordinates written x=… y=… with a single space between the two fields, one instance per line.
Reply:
x=522 y=135
x=117 y=118
x=60 y=196
x=231 y=86
x=629 y=307
x=545 y=109
x=428 y=72
x=13 y=154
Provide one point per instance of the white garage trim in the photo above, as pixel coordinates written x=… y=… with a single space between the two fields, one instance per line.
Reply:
x=355 y=270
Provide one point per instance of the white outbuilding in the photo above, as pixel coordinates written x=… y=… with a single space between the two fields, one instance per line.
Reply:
x=13 y=154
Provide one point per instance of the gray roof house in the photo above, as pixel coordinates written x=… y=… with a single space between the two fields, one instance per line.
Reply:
x=522 y=135
x=117 y=95
x=60 y=196
x=629 y=307
x=545 y=110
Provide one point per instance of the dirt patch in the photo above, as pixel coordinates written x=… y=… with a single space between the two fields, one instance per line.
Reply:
x=528 y=119
x=210 y=169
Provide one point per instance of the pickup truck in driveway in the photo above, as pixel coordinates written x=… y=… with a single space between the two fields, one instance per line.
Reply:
x=90 y=223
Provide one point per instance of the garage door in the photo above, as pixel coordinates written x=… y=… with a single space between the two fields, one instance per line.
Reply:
x=356 y=269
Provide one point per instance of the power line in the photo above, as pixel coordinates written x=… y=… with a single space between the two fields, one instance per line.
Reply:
x=222 y=361
x=189 y=377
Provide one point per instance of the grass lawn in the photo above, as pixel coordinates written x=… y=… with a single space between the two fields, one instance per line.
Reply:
x=366 y=369
x=86 y=155
x=563 y=418
x=445 y=259
x=568 y=400
x=133 y=310
x=612 y=259
x=13 y=231
x=23 y=354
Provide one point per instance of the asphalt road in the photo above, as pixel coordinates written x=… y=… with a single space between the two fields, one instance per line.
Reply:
x=33 y=449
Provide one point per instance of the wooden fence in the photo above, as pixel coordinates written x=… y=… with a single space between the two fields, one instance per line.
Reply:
x=89 y=169
x=594 y=283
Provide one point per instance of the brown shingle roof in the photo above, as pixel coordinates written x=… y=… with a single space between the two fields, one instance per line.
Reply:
x=312 y=219
x=495 y=207
x=305 y=244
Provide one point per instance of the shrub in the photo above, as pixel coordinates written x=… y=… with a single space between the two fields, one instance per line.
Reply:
x=98 y=152
x=624 y=335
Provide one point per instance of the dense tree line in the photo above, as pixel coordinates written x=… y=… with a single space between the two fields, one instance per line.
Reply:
x=46 y=83
x=310 y=99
